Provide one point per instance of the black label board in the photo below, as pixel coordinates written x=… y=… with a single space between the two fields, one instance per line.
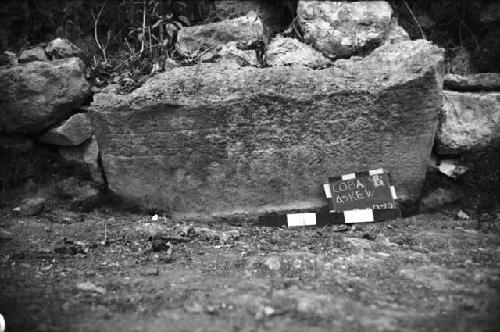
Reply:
x=362 y=192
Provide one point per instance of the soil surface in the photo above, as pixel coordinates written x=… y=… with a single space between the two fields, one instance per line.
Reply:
x=115 y=271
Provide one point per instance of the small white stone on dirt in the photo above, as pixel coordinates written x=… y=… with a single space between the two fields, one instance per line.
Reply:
x=155 y=217
x=462 y=215
x=452 y=168
x=88 y=286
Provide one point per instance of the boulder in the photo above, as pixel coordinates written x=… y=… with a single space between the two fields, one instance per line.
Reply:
x=474 y=82
x=61 y=48
x=85 y=157
x=193 y=40
x=342 y=29
x=33 y=54
x=469 y=121
x=291 y=52
x=71 y=132
x=36 y=95
x=223 y=140
x=268 y=11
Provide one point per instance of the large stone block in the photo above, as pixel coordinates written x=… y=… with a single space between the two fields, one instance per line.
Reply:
x=222 y=140
x=469 y=121
x=36 y=95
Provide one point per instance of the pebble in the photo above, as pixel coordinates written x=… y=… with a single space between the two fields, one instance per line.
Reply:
x=150 y=272
x=88 y=286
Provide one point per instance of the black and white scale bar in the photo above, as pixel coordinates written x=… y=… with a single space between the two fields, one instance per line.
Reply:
x=351 y=176
x=327 y=218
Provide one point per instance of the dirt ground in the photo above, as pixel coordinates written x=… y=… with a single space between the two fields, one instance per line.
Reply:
x=70 y=271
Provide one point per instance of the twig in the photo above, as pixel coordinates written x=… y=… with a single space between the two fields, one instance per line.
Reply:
x=415 y=19
x=96 y=37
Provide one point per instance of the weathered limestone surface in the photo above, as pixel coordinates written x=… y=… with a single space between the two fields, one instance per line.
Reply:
x=61 y=48
x=70 y=132
x=244 y=29
x=221 y=140
x=289 y=52
x=469 y=121
x=36 y=95
x=341 y=29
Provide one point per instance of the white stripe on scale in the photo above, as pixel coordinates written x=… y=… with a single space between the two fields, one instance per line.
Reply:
x=377 y=171
x=393 y=193
x=328 y=191
x=301 y=219
x=358 y=216
x=349 y=176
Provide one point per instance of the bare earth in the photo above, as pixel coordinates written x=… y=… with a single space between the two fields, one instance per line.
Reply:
x=425 y=273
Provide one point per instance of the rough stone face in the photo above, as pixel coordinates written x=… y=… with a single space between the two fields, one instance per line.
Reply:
x=218 y=140
x=36 y=95
x=71 y=132
x=192 y=40
x=33 y=54
x=61 y=48
x=291 y=52
x=474 y=82
x=342 y=29
x=85 y=157
x=231 y=53
x=469 y=121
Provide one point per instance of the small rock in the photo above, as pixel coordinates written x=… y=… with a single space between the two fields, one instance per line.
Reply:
x=155 y=217
x=88 y=286
x=263 y=312
x=150 y=272
x=33 y=54
x=159 y=245
x=452 y=168
x=462 y=215
x=194 y=308
x=61 y=48
x=272 y=263
x=32 y=206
